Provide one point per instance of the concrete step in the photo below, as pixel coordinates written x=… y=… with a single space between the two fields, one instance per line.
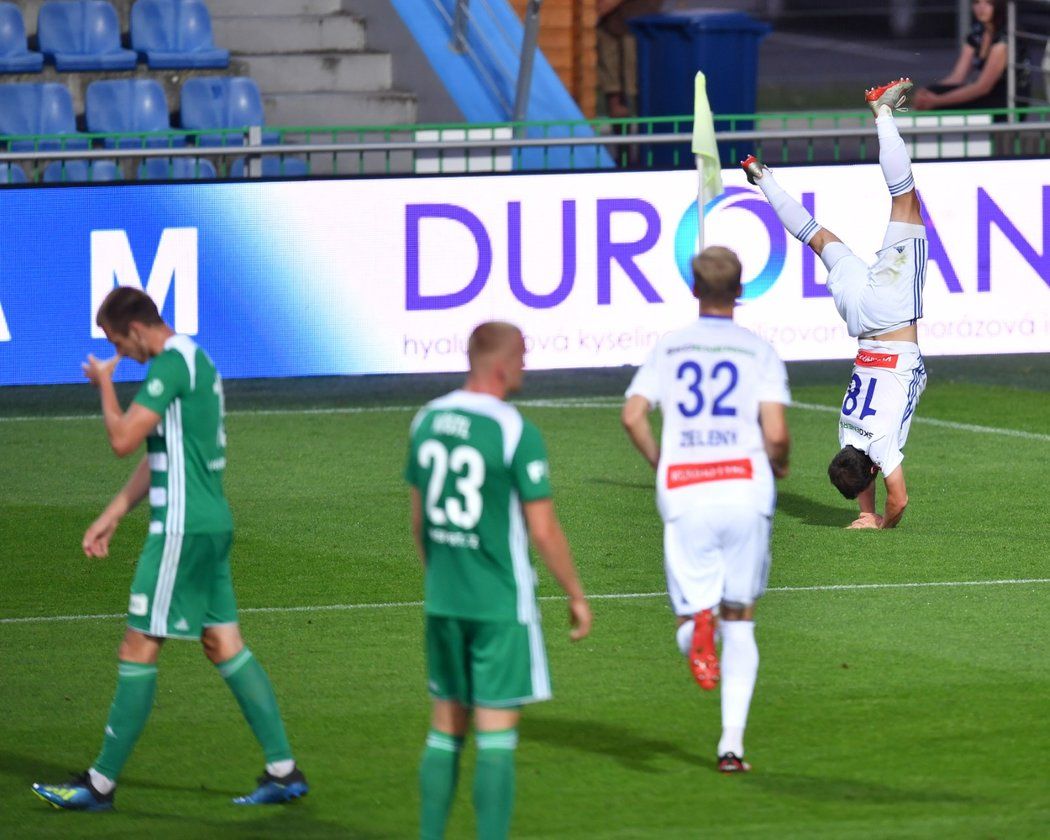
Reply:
x=289 y=33
x=266 y=8
x=308 y=72
x=339 y=109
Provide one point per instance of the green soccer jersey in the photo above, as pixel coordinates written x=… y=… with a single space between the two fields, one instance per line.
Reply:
x=187 y=450
x=475 y=460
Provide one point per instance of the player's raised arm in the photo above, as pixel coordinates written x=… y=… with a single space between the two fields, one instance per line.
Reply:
x=896 y=498
x=547 y=535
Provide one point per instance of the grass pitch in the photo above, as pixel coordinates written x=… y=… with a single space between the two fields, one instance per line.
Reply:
x=888 y=705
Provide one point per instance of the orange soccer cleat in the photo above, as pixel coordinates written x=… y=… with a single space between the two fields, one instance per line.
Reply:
x=752 y=168
x=891 y=94
x=703 y=658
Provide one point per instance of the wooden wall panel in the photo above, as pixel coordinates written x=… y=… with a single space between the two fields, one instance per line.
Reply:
x=567 y=39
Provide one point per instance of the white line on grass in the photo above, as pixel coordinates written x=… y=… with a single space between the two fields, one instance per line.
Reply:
x=944 y=424
x=615 y=596
x=589 y=403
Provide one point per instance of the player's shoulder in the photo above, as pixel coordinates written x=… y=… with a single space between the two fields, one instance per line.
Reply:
x=484 y=408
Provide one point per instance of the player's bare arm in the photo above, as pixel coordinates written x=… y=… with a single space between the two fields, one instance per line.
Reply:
x=773 y=419
x=635 y=420
x=546 y=534
x=896 y=498
x=126 y=430
x=417 y=525
x=97 y=536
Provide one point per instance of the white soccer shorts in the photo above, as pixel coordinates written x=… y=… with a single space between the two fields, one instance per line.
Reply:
x=716 y=554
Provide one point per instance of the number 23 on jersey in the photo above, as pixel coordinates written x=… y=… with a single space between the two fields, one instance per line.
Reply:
x=461 y=506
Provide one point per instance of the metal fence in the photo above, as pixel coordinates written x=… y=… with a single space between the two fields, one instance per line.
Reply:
x=789 y=138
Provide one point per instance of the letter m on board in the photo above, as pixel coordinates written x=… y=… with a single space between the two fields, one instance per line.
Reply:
x=175 y=264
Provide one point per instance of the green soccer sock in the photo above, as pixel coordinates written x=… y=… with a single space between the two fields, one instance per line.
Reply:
x=136 y=685
x=494 y=783
x=438 y=774
x=250 y=685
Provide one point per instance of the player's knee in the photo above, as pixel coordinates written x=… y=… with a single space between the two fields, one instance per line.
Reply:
x=906 y=208
x=221 y=646
x=832 y=252
x=851 y=471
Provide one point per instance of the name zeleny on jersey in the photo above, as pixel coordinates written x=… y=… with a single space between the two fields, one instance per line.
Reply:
x=706 y=437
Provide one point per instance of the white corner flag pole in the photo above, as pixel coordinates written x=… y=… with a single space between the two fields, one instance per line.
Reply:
x=705 y=152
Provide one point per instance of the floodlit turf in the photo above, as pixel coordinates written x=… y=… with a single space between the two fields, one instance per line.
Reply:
x=907 y=712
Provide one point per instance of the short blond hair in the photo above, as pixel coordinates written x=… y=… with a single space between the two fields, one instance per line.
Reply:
x=716 y=275
x=489 y=339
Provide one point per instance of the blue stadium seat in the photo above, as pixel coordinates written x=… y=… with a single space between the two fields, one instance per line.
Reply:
x=81 y=171
x=222 y=102
x=15 y=57
x=118 y=106
x=12 y=173
x=82 y=35
x=273 y=166
x=34 y=109
x=176 y=169
x=175 y=34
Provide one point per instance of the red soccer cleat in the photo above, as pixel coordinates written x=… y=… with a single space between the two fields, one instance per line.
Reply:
x=890 y=94
x=752 y=168
x=732 y=763
x=703 y=658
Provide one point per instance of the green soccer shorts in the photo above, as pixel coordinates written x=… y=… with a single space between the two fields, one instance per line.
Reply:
x=182 y=584
x=492 y=664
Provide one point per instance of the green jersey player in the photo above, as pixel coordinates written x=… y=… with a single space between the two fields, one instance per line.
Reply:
x=182 y=587
x=480 y=489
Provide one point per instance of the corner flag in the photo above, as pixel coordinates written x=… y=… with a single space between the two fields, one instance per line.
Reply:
x=705 y=150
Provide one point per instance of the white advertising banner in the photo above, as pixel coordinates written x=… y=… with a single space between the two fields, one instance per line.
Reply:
x=595 y=267
x=391 y=275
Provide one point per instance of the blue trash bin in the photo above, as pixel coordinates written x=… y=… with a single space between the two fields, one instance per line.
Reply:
x=671 y=48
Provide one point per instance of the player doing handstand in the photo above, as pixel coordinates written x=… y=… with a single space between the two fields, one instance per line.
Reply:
x=881 y=305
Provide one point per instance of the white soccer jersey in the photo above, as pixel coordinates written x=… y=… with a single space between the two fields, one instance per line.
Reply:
x=888 y=379
x=887 y=295
x=709 y=379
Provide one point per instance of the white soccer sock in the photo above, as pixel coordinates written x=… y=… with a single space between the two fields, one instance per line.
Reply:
x=792 y=215
x=739 y=670
x=278 y=769
x=893 y=156
x=103 y=784
x=684 y=636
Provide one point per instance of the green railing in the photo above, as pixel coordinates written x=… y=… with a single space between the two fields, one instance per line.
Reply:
x=639 y=143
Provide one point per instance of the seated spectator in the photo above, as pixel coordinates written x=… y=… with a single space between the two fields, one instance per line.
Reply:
x=978 y=80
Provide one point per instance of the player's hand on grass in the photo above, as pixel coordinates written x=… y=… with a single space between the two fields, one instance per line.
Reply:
x=98 y=369
x=866 y=520
x=97 y=536
x=579 y=618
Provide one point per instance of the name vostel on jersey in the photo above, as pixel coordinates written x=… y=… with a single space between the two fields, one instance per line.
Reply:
x=454 y=425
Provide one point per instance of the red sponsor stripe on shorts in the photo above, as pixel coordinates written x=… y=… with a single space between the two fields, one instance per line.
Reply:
x=682 y=475
x=866 y=358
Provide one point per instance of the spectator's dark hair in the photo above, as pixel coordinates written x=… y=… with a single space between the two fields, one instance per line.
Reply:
x=124 y=305
x=716 y=276
x=850 y=471
x=999 y=15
